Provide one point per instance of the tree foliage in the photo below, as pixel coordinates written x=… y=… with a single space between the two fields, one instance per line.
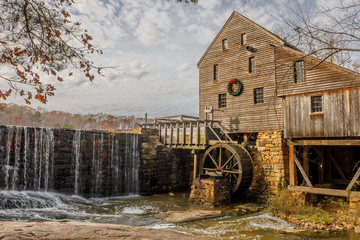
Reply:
x=38 y=38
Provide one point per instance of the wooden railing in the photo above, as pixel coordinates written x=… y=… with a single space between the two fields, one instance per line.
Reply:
x=182 y=130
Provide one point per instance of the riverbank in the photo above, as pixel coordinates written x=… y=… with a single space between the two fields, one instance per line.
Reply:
x=318 y=213
x=84 y=230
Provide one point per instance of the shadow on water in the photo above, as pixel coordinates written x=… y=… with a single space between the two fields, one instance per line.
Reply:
x=140 y=211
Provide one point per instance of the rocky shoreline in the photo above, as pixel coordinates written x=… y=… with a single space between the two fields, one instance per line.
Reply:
x=83 y=230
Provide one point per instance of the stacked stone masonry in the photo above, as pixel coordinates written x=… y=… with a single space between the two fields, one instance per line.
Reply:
x=270 y=162
x=211 y=191
x=163 y=169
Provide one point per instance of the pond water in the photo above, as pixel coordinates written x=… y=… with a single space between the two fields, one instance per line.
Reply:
x=139 y=211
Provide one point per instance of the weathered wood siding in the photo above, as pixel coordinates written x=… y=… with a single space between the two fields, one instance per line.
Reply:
x=339 y=118
x=241 y=114
x=319 y=78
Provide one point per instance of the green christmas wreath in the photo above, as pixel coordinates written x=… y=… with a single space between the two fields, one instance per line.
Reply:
x=231 y=87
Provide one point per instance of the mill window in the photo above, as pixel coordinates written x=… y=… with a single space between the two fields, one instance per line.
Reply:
x=251 y=64
x=316 y=104
x=222 y=100
x=258 y=95
x=243 y=39
x=216 y=72
x=224 y=44
x=299 y=72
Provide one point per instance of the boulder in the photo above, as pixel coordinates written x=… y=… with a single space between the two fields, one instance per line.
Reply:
x=249 y=207
x=188 y=216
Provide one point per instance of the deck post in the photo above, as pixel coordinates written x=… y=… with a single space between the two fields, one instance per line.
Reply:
x=159 y=132
x=177 y=133
x=171 y=134
x=165 y=133
x=191 y=134
x=291 y=165
x=184 y=133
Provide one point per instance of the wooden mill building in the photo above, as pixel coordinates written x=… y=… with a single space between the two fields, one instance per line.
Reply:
x=297 y=117
x=316 y=106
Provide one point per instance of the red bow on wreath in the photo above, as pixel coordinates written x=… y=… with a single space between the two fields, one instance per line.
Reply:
x=233 y=82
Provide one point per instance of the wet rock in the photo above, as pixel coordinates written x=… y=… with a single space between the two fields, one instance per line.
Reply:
x=290 y=230
x=188 y=216
x=171 y=194
x=80 y=230
x=249 y=207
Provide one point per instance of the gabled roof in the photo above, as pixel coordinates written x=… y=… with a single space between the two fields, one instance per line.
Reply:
x=277 y=38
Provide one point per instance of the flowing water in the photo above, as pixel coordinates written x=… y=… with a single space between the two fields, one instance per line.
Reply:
x=45 y=175
x=140 y=211
x=91 y=164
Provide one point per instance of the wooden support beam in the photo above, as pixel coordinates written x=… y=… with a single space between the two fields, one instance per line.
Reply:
x=198 y=133
x=326 y=191
x=321 y=166
x=205 y=133
x=307 y=180
x=195 y=164
x=324 y=142
x=306 y=160
x=165 y=133
x=353 y=180
x=292 y=165
x=337 y=166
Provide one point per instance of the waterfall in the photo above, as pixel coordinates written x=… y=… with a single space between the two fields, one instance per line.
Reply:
x=76 y=149
x=84 y=163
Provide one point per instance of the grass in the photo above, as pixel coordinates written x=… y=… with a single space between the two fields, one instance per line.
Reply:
x=329 y=212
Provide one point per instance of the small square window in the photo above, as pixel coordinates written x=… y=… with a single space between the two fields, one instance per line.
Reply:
x=216 y=72
x=316 y=104
x=251 y=64
x=224 y=44
x=299 y=72
x=222 y=100
x=243 y=39
x=258 y=95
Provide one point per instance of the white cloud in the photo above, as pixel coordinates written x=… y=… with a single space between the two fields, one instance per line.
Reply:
x=155 y=45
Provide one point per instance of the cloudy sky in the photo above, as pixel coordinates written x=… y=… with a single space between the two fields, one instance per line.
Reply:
x=155 y=46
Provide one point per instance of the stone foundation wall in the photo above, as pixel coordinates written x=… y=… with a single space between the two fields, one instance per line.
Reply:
x=162 y=169
x=271 y=170
x=211 y=191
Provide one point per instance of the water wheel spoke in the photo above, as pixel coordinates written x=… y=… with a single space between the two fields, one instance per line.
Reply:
x=234 y=176
x=220 y=156
x=228 y=160
x=212 y=159
x=210 y=169
x=231 y=171
x=236 y=163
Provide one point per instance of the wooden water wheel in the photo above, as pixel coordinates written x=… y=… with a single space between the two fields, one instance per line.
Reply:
x=232 y=161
